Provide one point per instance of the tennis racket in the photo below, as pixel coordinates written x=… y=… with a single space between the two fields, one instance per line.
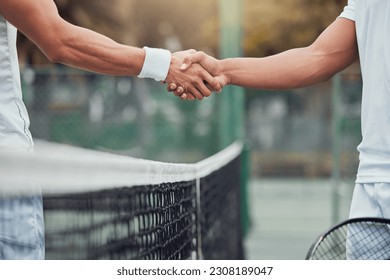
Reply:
x=354 y=239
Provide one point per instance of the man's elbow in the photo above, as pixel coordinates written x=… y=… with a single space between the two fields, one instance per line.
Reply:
x=330 y=62
x=325 y=76
x=56 y=55
x=55 y=49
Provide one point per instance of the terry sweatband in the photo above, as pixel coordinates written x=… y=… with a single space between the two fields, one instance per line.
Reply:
x=156 y=64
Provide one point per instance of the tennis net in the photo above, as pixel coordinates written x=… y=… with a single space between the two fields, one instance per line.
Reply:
x=103 y=206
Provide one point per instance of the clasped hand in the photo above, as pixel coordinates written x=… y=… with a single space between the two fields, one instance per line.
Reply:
x=194 y=75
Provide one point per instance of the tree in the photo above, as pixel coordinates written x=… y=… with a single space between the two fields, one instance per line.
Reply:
x=107 y=17
x=270 y=26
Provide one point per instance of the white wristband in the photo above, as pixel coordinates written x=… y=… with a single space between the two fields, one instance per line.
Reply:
x=156 y=64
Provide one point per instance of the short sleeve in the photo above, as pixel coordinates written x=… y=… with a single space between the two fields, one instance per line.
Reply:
x=349 y=10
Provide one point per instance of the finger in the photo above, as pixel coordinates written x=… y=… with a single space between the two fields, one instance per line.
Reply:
x=189 y=60
x=179 y=91
x=208 y=83
x=172 y=87
x=192 y=51
x=212 y=90
x=187 y=52
x=195 y=92
x=208 y=86
x=189 y=96
x=205 y=91
x=212 y=82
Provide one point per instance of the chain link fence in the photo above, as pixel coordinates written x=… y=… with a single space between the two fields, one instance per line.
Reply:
x=119 y=114
x=293 y=133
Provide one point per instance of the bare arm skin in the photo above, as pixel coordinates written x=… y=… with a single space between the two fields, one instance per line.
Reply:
x=79 y=47
x=334 y=50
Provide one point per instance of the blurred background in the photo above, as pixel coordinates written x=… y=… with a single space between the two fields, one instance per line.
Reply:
x=301 y=144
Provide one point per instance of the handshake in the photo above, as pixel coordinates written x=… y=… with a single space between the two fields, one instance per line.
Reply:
x=194 y=75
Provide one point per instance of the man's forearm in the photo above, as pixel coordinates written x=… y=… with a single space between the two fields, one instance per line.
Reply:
x=291 y=69
x=69 y=44
x=88 y=50
x=333 y=50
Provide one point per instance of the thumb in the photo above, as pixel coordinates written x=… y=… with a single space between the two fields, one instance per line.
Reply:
x=222 y=82
x=191 y=59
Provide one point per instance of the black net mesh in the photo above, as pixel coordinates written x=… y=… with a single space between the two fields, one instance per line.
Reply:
x=149 y=222
x=220 y=215
x=355 y=239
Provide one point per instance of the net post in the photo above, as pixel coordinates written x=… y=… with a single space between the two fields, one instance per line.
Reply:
x=198 y=221
x=244 y=180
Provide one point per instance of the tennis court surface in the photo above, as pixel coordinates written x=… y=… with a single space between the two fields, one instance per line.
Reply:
x=287 y=215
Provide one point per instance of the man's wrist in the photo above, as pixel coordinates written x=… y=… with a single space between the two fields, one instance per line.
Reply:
x=224 y=70
x=156 y=64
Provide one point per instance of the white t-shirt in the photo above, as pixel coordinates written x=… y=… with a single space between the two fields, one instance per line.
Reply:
x=372 y=19
x=14 y=121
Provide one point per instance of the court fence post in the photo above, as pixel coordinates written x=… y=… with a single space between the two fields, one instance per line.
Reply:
x=231 y=102
x=336 y=134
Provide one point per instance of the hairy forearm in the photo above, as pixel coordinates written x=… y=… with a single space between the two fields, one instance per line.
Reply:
x=88 y=50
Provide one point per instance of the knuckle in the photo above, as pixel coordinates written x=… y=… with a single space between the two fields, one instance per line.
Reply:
x=207 y=93
x=202 y=54
x=193 y=78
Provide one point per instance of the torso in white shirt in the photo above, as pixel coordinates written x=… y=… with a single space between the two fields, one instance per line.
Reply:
x=14 y=121
x=372 y=19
